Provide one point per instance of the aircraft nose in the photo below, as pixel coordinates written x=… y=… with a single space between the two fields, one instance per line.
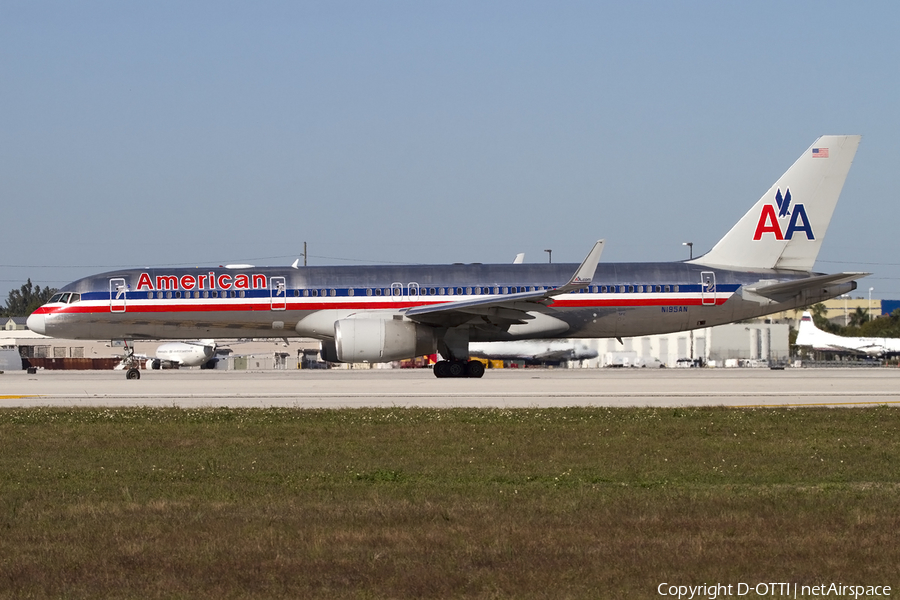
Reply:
x=35 y=323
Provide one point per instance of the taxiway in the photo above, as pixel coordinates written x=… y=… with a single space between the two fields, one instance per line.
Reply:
x=507 y=388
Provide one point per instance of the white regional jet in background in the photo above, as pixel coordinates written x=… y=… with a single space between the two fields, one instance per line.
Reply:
x=534 y=350
x=186 y=354
x=810 y=335
x=201 y=353
x=384 y=313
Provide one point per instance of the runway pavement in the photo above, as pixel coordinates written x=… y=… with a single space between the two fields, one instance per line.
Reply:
x=499 y=388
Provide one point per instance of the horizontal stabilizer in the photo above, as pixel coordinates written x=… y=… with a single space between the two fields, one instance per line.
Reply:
x=782 y=291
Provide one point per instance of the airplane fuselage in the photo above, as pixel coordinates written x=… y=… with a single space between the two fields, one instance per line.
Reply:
x=623 y=300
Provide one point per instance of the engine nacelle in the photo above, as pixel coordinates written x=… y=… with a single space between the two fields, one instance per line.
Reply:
x=328 y=351
x=381 y=340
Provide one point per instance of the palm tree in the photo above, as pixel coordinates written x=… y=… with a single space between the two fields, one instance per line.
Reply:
x=858 y=317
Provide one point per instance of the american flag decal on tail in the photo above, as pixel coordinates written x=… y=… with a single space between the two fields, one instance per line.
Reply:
x=820 y=152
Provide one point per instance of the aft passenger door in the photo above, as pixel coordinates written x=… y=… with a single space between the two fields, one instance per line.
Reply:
x=117 y=290
x=707 y=288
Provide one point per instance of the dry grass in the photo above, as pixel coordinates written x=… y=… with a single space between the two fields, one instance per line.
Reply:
x=410 y=503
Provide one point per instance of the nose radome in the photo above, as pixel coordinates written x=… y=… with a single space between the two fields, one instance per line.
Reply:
x=35 y=323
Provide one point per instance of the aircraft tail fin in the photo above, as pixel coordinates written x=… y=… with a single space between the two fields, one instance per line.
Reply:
x=810 y=335
x=785 y=228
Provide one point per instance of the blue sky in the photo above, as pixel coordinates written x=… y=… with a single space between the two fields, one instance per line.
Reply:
x=206 y=133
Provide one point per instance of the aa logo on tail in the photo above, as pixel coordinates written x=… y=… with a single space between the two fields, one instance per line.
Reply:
x=769 y=219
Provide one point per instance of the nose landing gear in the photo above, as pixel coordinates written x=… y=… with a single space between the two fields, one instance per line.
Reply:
x=130 y=363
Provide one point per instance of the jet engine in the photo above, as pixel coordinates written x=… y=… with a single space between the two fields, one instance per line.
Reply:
x=381 y=340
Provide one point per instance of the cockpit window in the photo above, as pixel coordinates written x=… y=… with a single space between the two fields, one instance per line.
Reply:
x=65 y=298
x=75 y=298
x=55 y=298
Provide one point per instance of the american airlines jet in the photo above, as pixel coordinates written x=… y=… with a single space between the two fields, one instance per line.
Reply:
x=384 y=313
x=810 y=335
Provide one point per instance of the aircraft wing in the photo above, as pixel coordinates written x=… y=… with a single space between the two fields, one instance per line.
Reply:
x=785 y=290
x=872 y=349
x=509 y=309
x=842 y=348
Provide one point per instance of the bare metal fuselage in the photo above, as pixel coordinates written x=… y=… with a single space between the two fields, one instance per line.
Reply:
x=623 y=300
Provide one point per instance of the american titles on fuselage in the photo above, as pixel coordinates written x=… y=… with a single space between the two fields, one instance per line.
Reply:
x=224 y=281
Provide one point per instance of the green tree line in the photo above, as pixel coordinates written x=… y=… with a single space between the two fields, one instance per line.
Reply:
x=23 y=301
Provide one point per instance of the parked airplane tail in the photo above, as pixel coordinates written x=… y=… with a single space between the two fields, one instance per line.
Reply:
x=785 y=228
x=810 y=335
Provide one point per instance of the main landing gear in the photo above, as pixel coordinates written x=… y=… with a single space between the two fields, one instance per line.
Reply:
x=458 y=368
x=131 y=363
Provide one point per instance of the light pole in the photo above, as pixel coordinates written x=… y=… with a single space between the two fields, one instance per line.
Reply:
x=549 y=255
x=690 y=246
x=870 y=304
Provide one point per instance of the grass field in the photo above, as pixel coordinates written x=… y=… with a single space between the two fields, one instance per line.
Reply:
x=417 y=503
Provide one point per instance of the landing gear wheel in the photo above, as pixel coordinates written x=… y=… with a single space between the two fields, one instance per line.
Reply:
x=474 y=368
x=458 y=368
x=132 y=374
x=441 y=369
